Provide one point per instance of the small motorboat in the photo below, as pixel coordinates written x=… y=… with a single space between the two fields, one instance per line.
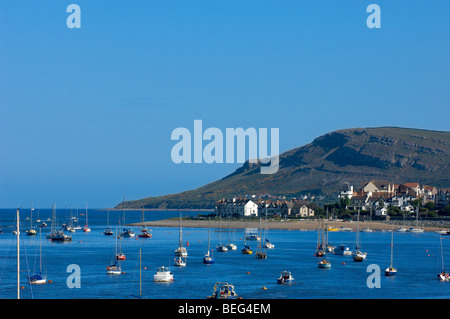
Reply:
x=285 y=278
x=163 y=274
x=223 y=290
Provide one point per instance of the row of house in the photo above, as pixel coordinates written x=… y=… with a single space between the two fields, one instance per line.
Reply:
x=378 y=194
x=241 y=207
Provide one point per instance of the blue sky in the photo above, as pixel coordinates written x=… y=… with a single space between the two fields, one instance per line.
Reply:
x=86 y=114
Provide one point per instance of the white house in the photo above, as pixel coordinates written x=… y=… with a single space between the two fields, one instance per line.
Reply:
x=250 y=209
x=381 y=211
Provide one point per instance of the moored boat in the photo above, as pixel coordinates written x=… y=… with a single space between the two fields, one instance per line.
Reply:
x=163 y=274
x=285 y=278
x=223 y=290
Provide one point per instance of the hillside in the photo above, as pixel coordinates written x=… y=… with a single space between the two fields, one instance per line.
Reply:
x=355 y=156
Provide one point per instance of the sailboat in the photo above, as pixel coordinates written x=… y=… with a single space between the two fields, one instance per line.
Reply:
x=39 y=277
x=119 y=255
x=18 y=252
x=230 y=245
x=114 y=268
x=221 y=247
x=416 y=229
x=31 y=231
x=391 y=271
x=208 y=257
x=86 y=228
x=57 y=235
x=181 y=251
x=144 y=231
x=357 y=254
x=267 y=243
x=246 y=250
x=108 y=231
x=260 y=254
x=319 y=251
x=129 y=231
x=140 y=277
x=443 y=275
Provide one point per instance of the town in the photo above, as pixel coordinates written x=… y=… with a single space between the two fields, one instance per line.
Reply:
x=376 y=199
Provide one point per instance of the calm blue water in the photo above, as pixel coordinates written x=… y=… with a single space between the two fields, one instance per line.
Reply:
x=416 y=256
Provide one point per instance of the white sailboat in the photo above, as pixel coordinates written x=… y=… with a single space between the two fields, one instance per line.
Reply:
x=230 y=245
x=31 y=231
x=221 y=247
x=267 y=243
x=115 y=268
x=357 y=254
x=391 y=271
x=86 y=228
x=208 y=257
x=443 y=275
x=416 y=229
x=39 y=277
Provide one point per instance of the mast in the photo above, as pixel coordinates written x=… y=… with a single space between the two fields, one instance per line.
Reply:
x=392 y=246
x=18 y=256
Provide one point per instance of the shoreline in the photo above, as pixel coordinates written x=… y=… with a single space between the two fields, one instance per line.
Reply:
x=283 y=225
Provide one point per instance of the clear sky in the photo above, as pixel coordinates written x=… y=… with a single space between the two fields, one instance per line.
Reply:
x=86 y=114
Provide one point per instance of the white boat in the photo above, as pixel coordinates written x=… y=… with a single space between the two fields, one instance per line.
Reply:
x=416 y=229
x=221 y=247
x=163 y=274
x=39 y=278
x=180 y=262
x=230 y=245
x=401 y=229
x=345 y=229
x=31 y=231
x=114 y=269
x=208 y=258
x=367 y=230
x=268 y=244
x=357 y=254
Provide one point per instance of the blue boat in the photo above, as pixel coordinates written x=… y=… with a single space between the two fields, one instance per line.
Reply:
x=343 y=250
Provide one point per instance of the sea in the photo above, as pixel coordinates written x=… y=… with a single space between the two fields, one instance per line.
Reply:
x=417 y=256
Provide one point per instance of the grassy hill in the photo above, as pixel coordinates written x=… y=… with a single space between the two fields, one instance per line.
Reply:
x=354 y=156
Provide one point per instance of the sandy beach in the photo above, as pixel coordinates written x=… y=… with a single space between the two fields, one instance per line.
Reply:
x=288 y=225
